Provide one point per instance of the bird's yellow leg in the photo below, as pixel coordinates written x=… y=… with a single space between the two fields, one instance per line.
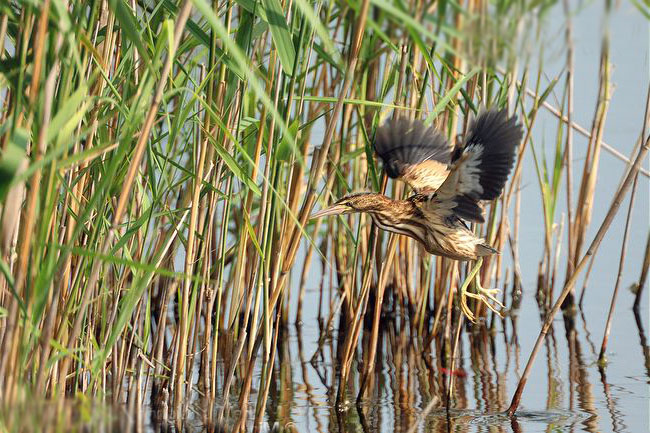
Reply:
x=485 y=296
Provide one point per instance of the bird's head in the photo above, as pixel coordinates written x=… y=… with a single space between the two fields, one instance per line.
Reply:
x=358 y=202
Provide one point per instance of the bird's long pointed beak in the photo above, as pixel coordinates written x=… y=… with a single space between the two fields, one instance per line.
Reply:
x=337 y=209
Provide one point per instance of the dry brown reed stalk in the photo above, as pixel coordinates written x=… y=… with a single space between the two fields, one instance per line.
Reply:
x=12 y=336
x=587 y=188
x=318 y=164
x=4 y=21
x=384 y=272
x=298 y=189
x=568 y=145
x=513 y=241
x=621 y=263
x=585 y=282
x=643 y=277
x=201 y=149
x=580 y=266
x=295 y=183
x=126 y=190
x=234 y=234
x=243 y=250
x=265 y=236
x=214 y=96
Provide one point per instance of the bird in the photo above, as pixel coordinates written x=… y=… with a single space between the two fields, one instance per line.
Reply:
x=449 y=185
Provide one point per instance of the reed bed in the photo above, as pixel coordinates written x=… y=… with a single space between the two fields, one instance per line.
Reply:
x=160 y=161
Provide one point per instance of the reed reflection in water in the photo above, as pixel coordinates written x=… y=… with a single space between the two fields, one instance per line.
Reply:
x=409 y=378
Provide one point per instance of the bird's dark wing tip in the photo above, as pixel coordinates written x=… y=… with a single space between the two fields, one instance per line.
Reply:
x=468 y=209
x=499 y=136
x=483 y=165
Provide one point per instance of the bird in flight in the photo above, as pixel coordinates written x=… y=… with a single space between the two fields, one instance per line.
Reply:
x=448 y=184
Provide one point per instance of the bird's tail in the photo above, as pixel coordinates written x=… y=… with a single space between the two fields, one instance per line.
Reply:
x=485 y=250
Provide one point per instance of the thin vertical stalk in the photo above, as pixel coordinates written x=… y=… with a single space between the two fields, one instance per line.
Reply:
x=514 y=404
x=319 y=164
x=568 y=146
x=621 y=263
x=590 y=169
x=126 y=186
x=644 y=275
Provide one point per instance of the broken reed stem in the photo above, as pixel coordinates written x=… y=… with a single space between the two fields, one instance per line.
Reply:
x=574 y=277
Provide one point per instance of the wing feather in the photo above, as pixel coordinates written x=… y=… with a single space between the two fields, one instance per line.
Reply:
x=413 y=153
x=481 y=168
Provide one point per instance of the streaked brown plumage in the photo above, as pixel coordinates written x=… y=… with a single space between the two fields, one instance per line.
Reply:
x=449 y=186
x=416 y=218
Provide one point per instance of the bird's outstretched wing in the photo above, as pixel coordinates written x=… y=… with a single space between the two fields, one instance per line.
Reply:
x=480 y=168
x=413 y=153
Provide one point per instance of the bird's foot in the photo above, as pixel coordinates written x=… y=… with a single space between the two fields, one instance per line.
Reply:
x=486 y=296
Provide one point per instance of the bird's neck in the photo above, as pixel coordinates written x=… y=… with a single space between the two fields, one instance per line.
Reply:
x=393 y=215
